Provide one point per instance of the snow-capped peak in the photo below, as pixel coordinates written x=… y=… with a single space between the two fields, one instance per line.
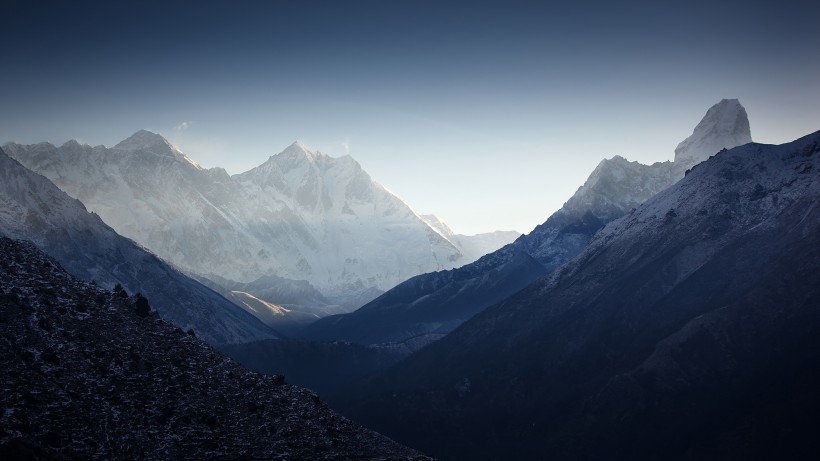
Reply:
x=298 y=157
x=144 y=139
x=293 y=155
x=72 y=144
x=297 y=149
x=724 y=126
x=299 y=145
x=147 y=141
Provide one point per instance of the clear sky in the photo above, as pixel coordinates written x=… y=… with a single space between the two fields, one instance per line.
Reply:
x=488 y=114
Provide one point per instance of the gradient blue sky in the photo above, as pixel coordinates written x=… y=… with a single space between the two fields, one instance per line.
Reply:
x=489 y=114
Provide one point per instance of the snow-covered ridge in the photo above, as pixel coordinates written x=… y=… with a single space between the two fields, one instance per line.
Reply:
x=301 y=215
x=730 y=188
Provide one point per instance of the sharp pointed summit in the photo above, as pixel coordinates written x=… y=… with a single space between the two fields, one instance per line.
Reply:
x=297 y=147
x=292 y=156
x=72 y=144
x=147 y=141
x=144 y=139
x=724 y=126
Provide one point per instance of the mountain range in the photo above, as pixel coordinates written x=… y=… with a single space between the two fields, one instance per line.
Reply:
x=666 y=311
x=686 y=329
x=428 y=306
x=33 y=208
x=300 y=216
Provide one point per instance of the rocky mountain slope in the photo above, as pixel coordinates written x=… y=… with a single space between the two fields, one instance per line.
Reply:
x=301 y=215
x=33 y=208
x=431 y=305
x=687 y=329
x=95 y=374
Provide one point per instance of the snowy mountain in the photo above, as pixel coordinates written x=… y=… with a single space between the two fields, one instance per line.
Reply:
x=687 y=329
x=725 y=125
x=33 y=208
x=614 y=188
x=345 y=231
x=428 y=306
x=299 y=216
x=89 y=373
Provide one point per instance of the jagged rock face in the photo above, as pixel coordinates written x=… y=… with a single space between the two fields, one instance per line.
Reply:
x=94 y=374
x=301 y=215
x=724 y=126
x=33 y=208
x=683 y=330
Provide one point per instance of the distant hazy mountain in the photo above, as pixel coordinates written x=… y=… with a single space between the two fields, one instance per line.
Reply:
x=474 y=246
x=33 y=208
x=89 y=373
x=687 y=329
x=300 y=216
x=430 y=305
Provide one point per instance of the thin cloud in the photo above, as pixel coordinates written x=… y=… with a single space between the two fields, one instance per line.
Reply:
x=183 y=126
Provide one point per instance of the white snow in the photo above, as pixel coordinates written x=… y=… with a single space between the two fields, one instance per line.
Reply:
x=301 y=215
x=724 y=126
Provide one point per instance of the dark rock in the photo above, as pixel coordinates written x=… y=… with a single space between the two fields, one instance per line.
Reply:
x=117 y=385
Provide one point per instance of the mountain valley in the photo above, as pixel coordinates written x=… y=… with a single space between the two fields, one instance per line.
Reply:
x=666 y=311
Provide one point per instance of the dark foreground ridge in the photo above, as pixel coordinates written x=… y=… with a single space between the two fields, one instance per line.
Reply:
x=95 y=374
